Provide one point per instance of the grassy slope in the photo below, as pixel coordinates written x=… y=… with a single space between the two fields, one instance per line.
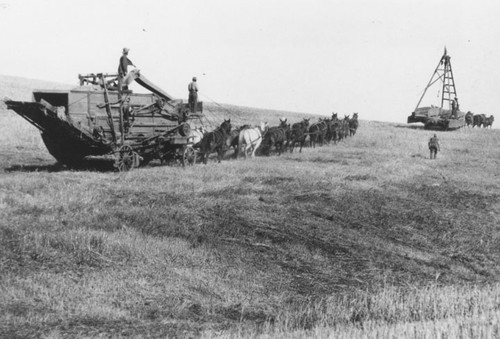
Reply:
x=17 y=88
x=171 y=251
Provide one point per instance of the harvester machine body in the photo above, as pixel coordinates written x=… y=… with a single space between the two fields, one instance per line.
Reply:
x=96 y=119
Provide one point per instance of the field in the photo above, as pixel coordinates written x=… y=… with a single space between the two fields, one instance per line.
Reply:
x=366 y=238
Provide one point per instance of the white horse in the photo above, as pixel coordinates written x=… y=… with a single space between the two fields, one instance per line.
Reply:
x=197 y=134
x=251 y=138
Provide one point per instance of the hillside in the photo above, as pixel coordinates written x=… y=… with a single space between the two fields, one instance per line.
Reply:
x=18 y=88
x=21 y=89
x=365 y=236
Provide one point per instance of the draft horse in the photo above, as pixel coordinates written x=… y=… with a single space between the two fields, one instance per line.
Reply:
x=251 y=138
x=197 y=134
x=298 y=134
x=216 y=141
x=353 y=124
x=277 y=137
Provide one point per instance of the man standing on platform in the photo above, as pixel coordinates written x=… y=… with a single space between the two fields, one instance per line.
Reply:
x=193 y=95
x=122 y=69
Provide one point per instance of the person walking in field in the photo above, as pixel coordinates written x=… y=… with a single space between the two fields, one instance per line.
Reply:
x=434 y=146
x=193 y=95
x=122 y=69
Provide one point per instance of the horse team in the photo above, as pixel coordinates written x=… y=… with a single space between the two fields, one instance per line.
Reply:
x=478 y=120
x=278 y=138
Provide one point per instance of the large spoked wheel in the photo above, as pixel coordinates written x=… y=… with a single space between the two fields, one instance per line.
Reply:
x=126 y=159
x=188 y=156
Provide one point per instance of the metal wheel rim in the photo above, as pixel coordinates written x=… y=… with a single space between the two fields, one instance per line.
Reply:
x=125 y=158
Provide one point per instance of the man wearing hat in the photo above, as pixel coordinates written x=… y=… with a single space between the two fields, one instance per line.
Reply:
x=122 y=69
x=434 y=146
x=193 y=95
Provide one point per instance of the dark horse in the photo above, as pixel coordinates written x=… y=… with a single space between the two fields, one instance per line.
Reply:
x=478 y=120
x=298 y=134
x=345 y=127
x=353 y=124
x=234 y=138
x=277 y=137
x=333 y=132
x=216 y=141
x=469 y=118
x=317 y=132
x=488 y=121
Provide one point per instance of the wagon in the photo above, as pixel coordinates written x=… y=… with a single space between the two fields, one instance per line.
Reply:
x=96 y=119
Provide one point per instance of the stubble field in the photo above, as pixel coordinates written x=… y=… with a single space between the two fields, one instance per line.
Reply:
x=364 y=238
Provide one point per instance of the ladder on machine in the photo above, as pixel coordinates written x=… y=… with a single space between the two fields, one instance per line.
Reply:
x=444 y=73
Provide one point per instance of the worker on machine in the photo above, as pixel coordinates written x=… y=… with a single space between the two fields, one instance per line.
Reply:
x=454 y=108
x=122 y=70
x=193 y=95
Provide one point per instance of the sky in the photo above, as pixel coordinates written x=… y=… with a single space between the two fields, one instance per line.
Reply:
x=311 y=56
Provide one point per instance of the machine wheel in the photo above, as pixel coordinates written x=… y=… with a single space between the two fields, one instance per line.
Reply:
x=126 y=159
x=188 y=156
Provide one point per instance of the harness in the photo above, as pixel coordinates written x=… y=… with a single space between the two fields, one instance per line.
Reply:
x=261 y=134
x=300 y=129
x=318 y=126
x=281 y=132
x=217 y=136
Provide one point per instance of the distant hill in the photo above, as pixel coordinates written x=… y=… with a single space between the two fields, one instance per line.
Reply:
x=17 y=88
x=241 y=115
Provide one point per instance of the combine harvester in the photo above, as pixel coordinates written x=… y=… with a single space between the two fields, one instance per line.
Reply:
x=95 y=119
x=440 y=118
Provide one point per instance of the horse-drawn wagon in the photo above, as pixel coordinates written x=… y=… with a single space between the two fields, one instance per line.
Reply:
x=96 y=119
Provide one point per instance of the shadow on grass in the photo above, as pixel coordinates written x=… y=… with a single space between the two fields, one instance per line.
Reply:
x=408 y=126
x=35 y=168
x=102 y=165
x=88 y=165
